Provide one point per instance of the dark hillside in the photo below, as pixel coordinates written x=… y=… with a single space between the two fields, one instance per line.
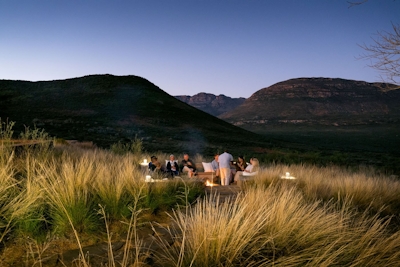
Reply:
x=106 y=109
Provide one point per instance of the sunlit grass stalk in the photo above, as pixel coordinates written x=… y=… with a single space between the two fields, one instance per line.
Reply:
x=132 y=231
x=110 y=252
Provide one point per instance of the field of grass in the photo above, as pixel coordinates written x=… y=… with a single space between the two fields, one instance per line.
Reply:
x=62 y=195
x=56 y=199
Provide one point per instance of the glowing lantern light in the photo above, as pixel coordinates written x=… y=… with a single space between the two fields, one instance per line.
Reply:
x=148 y=179
x=288 y=176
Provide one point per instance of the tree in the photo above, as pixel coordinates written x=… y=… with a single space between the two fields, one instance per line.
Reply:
x=384 y=53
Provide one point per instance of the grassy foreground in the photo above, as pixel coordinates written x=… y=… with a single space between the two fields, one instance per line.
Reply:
x=70 y=197
x=54 y=199
x=327 y=217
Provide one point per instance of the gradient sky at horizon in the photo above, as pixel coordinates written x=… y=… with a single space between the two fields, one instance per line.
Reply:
x=185 y=47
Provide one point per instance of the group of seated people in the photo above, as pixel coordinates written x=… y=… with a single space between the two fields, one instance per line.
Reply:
x=228 y=170
x=172 y=168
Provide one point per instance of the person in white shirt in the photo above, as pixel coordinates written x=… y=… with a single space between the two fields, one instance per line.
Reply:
x=172 y=166
x=251 y=169
x=224 y=161
x=248 y=169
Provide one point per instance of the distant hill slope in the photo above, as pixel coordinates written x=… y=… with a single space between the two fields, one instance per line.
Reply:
x=319 y=101
x=212 y=104
x=107 y=108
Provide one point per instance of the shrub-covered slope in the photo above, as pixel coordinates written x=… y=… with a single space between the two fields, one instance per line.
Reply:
x=107 y=108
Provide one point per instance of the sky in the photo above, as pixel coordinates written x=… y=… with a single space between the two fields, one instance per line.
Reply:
x=228 y=47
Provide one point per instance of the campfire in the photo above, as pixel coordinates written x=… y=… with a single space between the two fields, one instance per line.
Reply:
x=210 y=184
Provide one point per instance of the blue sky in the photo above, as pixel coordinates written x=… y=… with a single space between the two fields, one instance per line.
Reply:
x=226 y=47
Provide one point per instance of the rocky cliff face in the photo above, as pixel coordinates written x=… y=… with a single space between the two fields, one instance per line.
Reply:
x=319 y=101
x=212 y=104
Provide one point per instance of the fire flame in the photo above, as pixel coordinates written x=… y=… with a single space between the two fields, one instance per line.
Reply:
x=208 y=183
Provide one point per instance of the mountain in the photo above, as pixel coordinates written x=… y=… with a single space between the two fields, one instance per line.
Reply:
x=328 y=116
x=319 y=101
x=106 y=109
x=212 y=104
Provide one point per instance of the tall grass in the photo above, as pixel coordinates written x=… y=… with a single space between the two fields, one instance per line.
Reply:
x=365 y=188
x=18 y=199
x=116 y=176
x=56 y=196
x=7 y=191
x=6 y=130
x=68 y=191
x=276 y=226
x=33 y=223
x=328 y=216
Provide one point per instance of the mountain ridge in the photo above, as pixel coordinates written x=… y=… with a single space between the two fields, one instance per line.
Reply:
x=324 y=101
x=210 y=103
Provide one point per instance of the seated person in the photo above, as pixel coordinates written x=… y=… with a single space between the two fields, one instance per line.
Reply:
x=188 y=165
x=172 y=166
x=215 y=164
x=254 y=169
x=155 y=166
x=250 y=170
x=240 y=165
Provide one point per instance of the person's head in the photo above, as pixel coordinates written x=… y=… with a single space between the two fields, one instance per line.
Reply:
x=216 y=156
x=171 y=157
x=153 y=158
x=185 y=156
x=254 y=161
x=241 y=159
